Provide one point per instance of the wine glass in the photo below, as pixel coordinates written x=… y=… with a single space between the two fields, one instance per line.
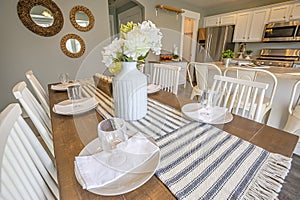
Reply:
x=64 y=78
x=111 y=132
x=206 y=101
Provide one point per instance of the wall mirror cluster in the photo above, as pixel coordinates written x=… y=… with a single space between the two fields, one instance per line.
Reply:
x=42 y=17
x=72 y=45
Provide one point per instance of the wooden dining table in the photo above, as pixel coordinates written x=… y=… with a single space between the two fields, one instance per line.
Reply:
x=71 y=134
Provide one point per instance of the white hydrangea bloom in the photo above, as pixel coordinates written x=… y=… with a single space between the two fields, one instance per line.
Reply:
x=134 y=45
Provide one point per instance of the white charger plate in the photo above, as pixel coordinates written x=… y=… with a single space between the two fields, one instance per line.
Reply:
x=76 y=111
x=153 y=88
x=126 y=183
x=188 y=108
x=62 y=86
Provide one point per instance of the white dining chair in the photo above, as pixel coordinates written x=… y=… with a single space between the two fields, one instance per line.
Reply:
x=26 y=170
x=36 y=113
x=241 y=97
x=293 y=122
x=167 y=76
x=259 y=75
x=202 y=71
x=39 y=91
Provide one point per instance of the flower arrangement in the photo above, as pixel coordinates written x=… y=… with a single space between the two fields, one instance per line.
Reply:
x=134 y=45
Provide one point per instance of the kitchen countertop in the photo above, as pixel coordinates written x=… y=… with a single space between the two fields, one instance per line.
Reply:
x=279 y=72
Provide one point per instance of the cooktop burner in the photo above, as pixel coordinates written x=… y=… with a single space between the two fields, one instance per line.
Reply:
x=278 y=57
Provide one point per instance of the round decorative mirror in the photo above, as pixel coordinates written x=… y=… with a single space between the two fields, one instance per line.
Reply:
x=42 y=17
x=72 y=45
x=82 y=18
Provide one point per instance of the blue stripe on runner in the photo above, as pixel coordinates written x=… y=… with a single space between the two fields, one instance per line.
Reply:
x=187 y=154
x=185 y=191
x=243 y=184
x=158 y=116
x=214 y=189
x=189 y=131
x=196 y=162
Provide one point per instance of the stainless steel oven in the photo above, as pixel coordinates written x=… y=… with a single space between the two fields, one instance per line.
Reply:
x=280 y=32
x=279 y=58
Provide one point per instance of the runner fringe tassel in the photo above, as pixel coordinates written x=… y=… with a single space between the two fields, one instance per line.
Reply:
x=268 y=182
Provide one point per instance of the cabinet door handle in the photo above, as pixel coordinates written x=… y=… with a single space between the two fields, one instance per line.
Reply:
x=283 y=17
x=291 y=16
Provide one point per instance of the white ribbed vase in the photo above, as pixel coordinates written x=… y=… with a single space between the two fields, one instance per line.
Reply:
x=130 y=92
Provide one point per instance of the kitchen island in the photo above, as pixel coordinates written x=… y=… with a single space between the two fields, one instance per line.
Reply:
x=286 y=77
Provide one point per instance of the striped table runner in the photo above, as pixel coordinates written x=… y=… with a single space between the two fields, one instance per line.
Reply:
x=200 y=161
x=160 y=119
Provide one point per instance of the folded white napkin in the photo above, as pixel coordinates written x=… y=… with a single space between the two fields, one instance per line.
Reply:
x=208 y=114
x=73 y=106
x=63 y=86
x=94 y=170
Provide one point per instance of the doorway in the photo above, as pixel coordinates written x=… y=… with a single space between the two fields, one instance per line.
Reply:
x=123 y=11
x=189 y=27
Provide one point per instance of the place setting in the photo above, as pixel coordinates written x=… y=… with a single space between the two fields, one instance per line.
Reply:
x=117 y=161
x=152 y=88
x=76 y=103
x=206 y=110
x=64 y=83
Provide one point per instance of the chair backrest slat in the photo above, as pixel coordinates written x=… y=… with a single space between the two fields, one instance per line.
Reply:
x=167 y=76
x=260 y=75
x=236 y=94
x=26 y=170
x=39 y=91
x=38 y=116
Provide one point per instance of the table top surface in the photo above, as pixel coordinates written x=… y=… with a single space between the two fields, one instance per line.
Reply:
x=72 y=133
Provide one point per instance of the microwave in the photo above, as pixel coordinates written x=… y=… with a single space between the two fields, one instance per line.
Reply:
x=282 y=32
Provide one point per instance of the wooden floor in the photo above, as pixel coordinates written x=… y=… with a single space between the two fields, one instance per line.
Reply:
x=291 y=187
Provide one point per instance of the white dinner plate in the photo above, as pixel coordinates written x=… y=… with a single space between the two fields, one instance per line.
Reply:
x=151 y=88
x=81 y=109
x=62 y=86
x=126 y=183
x=188 y=108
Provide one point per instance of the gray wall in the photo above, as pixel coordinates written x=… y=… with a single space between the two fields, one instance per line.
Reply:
x=22 y=50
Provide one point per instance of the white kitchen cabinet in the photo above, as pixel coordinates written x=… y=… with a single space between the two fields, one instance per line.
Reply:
x=285 y=13
x=222 y=20
x=259 y=20
x=279 y=13
x=211 y=21
x=242 y=27
x=250 y=26
x=295 y=11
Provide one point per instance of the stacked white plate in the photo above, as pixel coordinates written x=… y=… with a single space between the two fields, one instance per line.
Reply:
x=151 y=88
x=62 y=86
x=126 y=183
x=214 y=115
x=73 y=107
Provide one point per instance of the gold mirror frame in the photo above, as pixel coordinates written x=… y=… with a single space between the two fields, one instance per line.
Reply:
x=63 y=45
x=73 y=12
x=24 y=7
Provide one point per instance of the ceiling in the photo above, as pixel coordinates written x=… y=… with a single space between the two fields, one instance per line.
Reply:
x=210 y=7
